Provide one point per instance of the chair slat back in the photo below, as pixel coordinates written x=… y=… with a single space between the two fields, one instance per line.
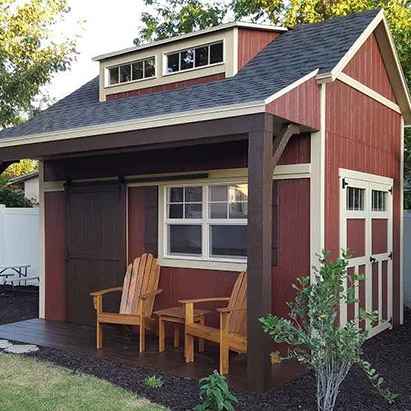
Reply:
x=237 y=322
x=141 y=278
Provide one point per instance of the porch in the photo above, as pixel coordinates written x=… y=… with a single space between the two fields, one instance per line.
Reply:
x=122 y=348
x=103 y=198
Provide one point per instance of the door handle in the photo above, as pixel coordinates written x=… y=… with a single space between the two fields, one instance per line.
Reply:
x=373 y=259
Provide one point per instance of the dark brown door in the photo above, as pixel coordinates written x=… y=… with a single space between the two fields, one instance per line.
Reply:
x=95 y=246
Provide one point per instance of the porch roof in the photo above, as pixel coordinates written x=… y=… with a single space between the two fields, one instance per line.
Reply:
x=290 y=57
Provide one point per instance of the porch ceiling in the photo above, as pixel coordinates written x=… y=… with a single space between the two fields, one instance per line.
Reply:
x=204 y=132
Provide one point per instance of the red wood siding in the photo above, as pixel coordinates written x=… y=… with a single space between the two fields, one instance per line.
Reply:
x=298 y=150
x=251 y=42
x=55 y=294
x=293 y=261
x=362 y=135
x=367 y=66
x=164 y=87
x=301 y=105
x=294 y=248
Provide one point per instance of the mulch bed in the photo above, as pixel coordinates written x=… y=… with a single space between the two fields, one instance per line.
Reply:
x=18 y=303
x=390 y=354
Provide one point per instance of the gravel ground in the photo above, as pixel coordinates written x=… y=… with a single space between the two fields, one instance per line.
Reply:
x=390 y=354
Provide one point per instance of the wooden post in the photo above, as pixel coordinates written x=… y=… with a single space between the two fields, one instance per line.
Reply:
x=260 y=183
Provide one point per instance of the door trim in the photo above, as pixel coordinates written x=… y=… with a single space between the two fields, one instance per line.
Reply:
x=368 y=182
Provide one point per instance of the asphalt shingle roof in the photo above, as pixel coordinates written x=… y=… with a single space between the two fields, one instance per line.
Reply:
x=286 y=59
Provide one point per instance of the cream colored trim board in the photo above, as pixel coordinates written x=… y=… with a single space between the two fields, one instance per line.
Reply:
x=50 y=186
x=42 y=273
x=366 y=177
x=140 y=124
x=357 y=45
x=397 y=61
x=193 y=116
x=226 y=26
x=235 y=51
x=362 y=88
x=202 y=265
x=287 y=89
x=317 y=186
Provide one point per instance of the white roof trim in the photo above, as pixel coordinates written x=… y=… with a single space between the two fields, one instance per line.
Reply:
x=397 y=62
x=139 y=124
x=220 y=27
x=368 y=92
x=291 y=86
x=214 y=113
x=338 y=69
x=357 y=44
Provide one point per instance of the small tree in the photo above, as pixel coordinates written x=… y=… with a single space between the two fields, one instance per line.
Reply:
x=314 y=335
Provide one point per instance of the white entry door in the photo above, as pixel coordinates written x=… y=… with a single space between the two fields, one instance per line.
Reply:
x=366 y=232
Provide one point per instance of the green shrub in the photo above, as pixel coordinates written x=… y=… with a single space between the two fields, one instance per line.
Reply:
x=314 y=335
x=13 y=198
x=215 y=394
x=153 y=382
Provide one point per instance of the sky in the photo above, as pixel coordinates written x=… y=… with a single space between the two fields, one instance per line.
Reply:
x=107 y=26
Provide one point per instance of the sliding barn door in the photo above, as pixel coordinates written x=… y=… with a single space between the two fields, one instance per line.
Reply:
x=95 y=245
x=366 y=232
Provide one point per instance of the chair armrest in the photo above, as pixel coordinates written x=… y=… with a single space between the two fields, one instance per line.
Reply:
x=106 y=291
x=204 y=300
x=151 y=294
x=229 y=310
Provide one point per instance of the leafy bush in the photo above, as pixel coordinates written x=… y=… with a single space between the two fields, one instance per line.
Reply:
x=13 y=198
x=315 y=337
x=153 y=382
x=215 y=394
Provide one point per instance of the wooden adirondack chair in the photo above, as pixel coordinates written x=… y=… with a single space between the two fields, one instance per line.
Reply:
x=137 y=300
x=232 y=334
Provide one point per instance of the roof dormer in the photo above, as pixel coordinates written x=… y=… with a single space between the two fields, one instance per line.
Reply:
x=182 y=61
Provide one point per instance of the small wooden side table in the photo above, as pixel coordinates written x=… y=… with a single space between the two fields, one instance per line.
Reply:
x=176 y=315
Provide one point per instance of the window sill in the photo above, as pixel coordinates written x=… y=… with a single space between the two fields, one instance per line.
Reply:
x=126 y=83
x=203 y=264
x=174 y=73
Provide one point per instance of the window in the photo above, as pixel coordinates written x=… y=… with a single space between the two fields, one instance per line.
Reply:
x=355 y=198
x=195 y=57
x=206 y=221
x=132 y=71
x=379 y=200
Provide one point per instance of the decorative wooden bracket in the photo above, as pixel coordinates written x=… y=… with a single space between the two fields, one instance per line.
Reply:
x=281 y=141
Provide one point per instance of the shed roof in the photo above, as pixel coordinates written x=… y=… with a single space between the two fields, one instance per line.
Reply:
x=291 y=56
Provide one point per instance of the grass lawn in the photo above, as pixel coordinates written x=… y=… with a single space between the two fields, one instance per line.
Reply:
x=29 y=384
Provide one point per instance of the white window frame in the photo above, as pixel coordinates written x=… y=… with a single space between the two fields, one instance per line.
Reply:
x=166 y=73
x=205 y=260
x=117 y=66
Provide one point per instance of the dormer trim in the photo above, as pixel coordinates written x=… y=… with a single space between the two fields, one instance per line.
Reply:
x=226 y=26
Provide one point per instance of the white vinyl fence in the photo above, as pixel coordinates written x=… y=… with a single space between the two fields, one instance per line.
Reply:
x=19 y=240
x=407 y=257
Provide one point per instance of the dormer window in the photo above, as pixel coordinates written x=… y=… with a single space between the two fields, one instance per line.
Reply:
x=196 y=57
x=134 y=71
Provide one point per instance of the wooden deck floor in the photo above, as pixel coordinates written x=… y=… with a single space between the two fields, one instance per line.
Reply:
x=124 y=349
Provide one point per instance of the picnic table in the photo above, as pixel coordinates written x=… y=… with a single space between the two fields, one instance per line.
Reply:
x=12 y=270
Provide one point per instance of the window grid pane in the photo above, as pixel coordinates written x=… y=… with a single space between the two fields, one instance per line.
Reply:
x=225 y=240
x=201 y=56
x=355 y=198
x=185 y=202
x=379 y=200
